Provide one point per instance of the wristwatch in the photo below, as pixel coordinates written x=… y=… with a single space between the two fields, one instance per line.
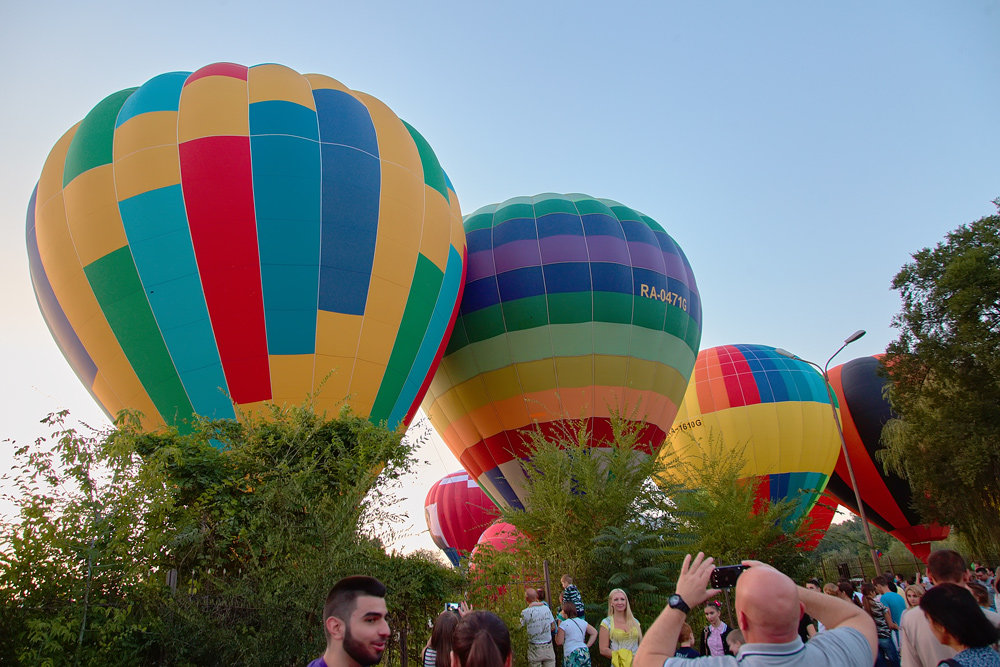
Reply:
x=677 y=602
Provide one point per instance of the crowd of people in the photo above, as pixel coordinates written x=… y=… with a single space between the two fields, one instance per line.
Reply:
x=948 y=617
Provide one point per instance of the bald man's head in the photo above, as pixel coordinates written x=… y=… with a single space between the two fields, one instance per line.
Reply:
x=767 y=606
x=530 y=595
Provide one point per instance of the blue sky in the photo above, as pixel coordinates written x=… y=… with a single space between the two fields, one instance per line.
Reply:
x=798 y=152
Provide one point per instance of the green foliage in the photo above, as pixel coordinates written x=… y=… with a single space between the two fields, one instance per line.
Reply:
x=726 y=519
x=253 y=520
x=945 y=372
x=580 y=499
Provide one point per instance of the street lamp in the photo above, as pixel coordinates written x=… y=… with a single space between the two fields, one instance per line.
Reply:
x=840 y=432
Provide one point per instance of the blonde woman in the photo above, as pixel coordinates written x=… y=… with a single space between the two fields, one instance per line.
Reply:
x=912 y=594
x=620 y=632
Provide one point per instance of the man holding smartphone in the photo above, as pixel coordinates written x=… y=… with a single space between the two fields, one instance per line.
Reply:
x=768 y=608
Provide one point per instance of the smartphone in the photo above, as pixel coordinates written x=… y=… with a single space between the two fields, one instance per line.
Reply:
x=451 y=606
x=725 y=577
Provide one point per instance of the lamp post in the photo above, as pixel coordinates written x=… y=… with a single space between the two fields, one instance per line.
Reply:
x=840 y=432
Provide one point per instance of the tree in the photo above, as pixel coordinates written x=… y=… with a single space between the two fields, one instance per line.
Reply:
x=250 y=522
x=725 y=517
x=945 y=372
x=581 y=497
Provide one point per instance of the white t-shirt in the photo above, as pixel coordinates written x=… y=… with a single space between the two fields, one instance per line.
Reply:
x=575 y=634
x=537 y=620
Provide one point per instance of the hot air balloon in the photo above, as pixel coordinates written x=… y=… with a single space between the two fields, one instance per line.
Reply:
x=817 y=522
x=500 y=535
x=457 y=513
x=213 y=241
x=864 y=410
x=777 y=407
x=574 y=308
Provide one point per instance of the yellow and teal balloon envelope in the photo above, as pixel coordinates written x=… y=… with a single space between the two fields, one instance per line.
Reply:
x=217 y=240
x=773 y=409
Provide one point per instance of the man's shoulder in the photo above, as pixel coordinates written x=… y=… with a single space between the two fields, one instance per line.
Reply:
x=993 y=616
x=839 y=646
x=703 y=661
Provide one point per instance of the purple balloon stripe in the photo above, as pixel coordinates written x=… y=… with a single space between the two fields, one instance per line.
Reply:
x=564 y=248
x=677 y=268
x=516 y=255
x=480 y=265
x=646 y=256
x=608 y=249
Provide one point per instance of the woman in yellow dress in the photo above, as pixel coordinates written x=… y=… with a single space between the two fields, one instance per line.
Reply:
x=620 y=632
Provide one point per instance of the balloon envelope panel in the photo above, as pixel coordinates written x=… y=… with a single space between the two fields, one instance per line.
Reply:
x=887 y=497
x=574 y=307
x=212 y=241
x=457 y=513
x=501 y=536
x=776 y=407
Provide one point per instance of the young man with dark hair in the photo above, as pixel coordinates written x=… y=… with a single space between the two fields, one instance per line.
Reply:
x=892 y=600
x=917 y=643
x=354 y=623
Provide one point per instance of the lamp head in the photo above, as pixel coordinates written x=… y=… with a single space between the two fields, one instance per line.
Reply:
x=854 y=336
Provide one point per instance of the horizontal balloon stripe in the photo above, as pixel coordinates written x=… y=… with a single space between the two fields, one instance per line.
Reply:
x=160 y=242
x=55 y=318
x=432 y=344
x=550 y=203
x=218 y=193
x=515 y=397
x=120 y=294
x=516 y=444
x=761 y=429
x=462 y=430
x=351 y=185
x=161 y=93
x=284 y=118
x=286 y=197
x=601 y=338
x=424 y=290
x=91 y=145
x=572 y=277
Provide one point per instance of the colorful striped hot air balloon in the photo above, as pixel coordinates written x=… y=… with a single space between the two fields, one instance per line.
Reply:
x=776 y=407
x=574 y=308
x=234 y=236
x=864 y=411
x=457 y=513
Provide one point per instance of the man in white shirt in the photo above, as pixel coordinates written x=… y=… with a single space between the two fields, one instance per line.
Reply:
x=918 y=646
x=538 y=621
x=768 y=608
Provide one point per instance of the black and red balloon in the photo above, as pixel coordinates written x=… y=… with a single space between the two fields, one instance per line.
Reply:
x=864 y=410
